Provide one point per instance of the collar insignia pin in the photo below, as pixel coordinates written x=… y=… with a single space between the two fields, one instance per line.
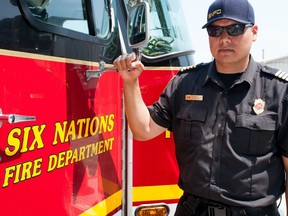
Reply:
x=259 y=105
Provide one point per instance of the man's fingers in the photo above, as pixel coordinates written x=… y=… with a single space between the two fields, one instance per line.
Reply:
x=124 y=61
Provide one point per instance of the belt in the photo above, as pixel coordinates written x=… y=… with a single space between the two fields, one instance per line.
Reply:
x=204 y=207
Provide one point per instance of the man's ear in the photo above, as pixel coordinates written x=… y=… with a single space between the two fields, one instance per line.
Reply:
x=255 y=32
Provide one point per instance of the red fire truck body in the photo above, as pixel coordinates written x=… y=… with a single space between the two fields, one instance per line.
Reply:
x=65 y=146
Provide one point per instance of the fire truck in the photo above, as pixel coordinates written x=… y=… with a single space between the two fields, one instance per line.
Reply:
x=65 y=145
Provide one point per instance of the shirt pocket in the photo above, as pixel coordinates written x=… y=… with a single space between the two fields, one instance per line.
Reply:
x=189 y=127
x=253 y=134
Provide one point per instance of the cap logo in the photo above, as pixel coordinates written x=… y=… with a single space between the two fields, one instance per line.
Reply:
x=216 y=12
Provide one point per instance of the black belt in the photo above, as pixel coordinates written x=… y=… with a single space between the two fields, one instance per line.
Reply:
x=203 y=207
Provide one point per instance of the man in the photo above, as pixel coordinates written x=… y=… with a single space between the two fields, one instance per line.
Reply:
x=229 y=119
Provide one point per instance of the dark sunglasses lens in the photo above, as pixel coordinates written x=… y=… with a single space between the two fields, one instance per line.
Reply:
x=235 y=30
x=215 y=31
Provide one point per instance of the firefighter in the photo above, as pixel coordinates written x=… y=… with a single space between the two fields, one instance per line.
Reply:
x=229 y=118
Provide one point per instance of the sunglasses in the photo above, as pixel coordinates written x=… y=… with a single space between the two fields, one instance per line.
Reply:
x=232 y=30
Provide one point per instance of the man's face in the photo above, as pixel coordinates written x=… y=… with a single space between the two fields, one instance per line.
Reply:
x=227 y=49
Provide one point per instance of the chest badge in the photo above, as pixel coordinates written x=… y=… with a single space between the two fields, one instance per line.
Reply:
x=259 y=106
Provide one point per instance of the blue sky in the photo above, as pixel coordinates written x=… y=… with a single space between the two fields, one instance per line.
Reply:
x=270 y=16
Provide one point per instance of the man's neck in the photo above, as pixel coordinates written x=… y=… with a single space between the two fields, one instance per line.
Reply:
x=232 y=67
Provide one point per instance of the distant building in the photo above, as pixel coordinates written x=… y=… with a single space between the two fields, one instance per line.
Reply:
x=280 y=62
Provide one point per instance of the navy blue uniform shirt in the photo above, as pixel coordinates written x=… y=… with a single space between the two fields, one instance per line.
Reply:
x=229 y=141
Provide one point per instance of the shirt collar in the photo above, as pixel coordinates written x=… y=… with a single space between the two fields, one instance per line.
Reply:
x=247 y=76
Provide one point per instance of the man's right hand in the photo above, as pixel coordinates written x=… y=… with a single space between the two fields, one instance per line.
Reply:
x=128 y=67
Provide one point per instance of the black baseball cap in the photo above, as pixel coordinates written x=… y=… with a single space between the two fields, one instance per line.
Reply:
x=237 y=10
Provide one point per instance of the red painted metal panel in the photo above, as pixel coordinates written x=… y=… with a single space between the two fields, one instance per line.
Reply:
x=69 y=159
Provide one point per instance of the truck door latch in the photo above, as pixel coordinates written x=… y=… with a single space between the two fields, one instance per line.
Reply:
x=97 y=73
x=14 y=118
